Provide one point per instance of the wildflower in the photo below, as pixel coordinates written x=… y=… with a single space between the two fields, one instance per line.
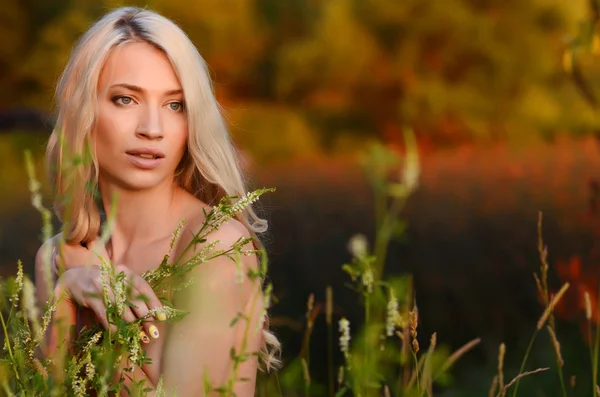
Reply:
x=46 y=320
x=39 y=367
x=588 y=306
x=411 y=171
x=501 y=353
x=105 y=269
x=413 y=324
x=344 y=327
x=19 y=284
x=176 y=235
x=29 y=299
x=134 y=353
x=93 y=341
x=160 y=388
x=224 y=212
x=551 y=306
x=120 y=294
x=367 y=280
x=31 y=310
x=90 y=369
x=163 y=313
x=392 y=314
x=79 y=386
x=358 y=245
x=239 y=270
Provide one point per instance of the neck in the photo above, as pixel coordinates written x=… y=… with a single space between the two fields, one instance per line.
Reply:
x=142 y=216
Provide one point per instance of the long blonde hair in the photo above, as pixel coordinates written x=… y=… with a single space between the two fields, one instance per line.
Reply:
x=210 y=167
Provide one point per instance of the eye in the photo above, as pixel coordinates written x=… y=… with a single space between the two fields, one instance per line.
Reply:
x=122 y=100
x=176 y=106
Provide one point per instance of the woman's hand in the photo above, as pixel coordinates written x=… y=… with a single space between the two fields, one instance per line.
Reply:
x=83 y=285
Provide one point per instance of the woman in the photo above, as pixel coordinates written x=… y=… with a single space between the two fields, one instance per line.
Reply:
x=137 y=94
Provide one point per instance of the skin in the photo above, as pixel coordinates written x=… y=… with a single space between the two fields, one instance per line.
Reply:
x=140 y=104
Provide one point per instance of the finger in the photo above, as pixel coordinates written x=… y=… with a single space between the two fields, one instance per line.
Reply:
x=89 y=297
x=137 y=299
x=100 y=312
x=97 y=300
x=128 y=315
x=141 y=310
x=147 y=293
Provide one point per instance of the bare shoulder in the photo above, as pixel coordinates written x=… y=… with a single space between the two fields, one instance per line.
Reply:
x=225 y=235
x=46 y=249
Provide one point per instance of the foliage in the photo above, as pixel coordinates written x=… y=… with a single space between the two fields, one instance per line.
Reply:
x=453 y=70
x=100 y=359
x=382 y=354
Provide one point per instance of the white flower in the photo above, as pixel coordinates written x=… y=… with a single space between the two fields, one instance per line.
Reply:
x=79 y=387
x=90 y=369
x=19 y=282
x=412 y=169
x=358 y=245
x=223 y=215
x=93 y=341
x=134 y=353
x=367 y=280
x=163 y=313
x=239 y=269
x=392 y=314
x=344 y=328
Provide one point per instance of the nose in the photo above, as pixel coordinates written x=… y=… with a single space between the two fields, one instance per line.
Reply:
x=149 y=125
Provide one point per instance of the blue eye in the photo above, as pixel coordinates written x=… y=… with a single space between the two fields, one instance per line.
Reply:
x=176 y=106
x=122 y=100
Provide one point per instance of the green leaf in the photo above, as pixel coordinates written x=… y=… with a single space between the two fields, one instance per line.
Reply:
x=234 y=321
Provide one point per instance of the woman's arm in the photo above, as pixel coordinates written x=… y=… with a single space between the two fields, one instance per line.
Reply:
x=66 y=311
x=44 y=267
x=199 y=347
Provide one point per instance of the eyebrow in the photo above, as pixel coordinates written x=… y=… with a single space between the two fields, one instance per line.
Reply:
x=135 y=88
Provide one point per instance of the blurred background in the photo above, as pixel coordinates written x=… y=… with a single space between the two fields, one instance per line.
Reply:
x=501 y=95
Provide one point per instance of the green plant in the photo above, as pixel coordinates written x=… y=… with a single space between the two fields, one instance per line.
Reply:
x=98 y=358
x=382 y=356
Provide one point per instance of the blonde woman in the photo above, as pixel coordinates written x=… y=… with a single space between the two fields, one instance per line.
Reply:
x=137 y=93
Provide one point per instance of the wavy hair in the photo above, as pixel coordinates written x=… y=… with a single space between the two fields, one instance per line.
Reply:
x=209 y=169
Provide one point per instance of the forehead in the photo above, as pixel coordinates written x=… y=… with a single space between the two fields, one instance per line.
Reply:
x=139 y=64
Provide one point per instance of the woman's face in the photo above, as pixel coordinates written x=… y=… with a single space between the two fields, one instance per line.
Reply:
x=141 y=130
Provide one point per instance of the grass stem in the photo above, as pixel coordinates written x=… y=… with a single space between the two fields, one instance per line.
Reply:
x=533 y=337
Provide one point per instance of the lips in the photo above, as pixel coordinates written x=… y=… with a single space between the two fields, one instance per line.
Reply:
x=147 y=153
x=145 y=158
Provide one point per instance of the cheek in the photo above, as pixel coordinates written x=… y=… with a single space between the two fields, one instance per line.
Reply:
x=110 y=129
x=181 y=138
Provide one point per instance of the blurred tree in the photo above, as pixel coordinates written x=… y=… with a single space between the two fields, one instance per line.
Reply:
x=455 y=70
x=44 y=62
x=228 y=33
x=14 y=26
x=270 y=133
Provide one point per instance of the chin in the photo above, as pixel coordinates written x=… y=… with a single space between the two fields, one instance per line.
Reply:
x=138 y=180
